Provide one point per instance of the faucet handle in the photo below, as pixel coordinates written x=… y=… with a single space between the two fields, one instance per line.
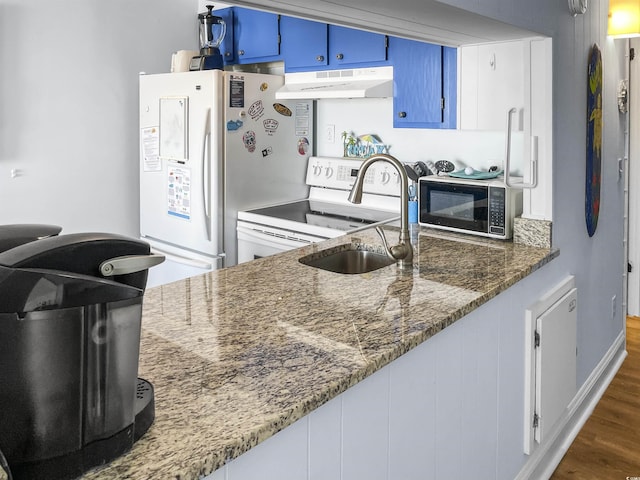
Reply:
x=401 y=251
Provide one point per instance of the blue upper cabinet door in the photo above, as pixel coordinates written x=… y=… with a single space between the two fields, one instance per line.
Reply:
x=424 y=84
x=226 y=48
x=348 y=46
x=304 y=43
x=256 y=35
x=450 y=86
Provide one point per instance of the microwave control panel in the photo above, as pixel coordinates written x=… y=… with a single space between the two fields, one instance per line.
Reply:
x=497 y=209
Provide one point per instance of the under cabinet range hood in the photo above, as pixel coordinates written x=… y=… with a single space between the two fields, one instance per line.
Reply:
x=353 y=83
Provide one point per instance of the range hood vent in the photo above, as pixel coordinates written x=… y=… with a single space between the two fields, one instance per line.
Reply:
x=354 y=83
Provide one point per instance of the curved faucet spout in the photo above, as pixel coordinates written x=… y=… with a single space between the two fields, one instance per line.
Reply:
x=403 y=251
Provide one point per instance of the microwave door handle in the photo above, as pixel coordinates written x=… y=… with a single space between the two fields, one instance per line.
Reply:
x=533 y=157
x=206 y=173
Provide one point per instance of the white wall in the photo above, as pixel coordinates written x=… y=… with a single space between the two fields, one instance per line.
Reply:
x=478 y=149
x=69 y=102
x=597 y=262
x=633 y=300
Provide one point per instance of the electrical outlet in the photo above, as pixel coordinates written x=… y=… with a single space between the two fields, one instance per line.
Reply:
x=330 y=133
x=613 y=307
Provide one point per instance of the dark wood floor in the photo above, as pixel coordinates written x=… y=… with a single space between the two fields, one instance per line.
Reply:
x=608 y=446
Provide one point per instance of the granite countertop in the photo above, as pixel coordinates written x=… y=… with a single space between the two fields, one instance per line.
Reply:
x=238 y=354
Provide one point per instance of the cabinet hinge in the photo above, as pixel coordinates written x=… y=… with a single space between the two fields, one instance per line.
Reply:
x=441 y=103
x=632 y=53
x=536 y=339
x=536 y=420
x=629 y=267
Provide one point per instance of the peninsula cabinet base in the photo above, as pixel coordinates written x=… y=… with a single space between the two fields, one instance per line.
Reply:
x=450 y=408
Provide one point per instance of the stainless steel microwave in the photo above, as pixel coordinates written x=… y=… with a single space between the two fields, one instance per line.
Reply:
x=478 y=207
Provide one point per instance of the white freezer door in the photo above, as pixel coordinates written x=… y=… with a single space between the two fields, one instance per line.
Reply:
x=180 y=158
x=178 y=265
x=267 y=144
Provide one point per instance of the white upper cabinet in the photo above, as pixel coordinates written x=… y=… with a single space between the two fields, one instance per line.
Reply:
x=491 y=82
x=496 y=77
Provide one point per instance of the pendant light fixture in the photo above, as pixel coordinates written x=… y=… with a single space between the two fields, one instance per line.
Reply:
x=624 y=18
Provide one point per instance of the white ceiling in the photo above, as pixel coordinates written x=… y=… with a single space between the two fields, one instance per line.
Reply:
x=426 y=20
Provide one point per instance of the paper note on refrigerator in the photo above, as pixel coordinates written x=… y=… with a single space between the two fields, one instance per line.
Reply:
x=303 y=116
x=150 y=149
x=179 y=192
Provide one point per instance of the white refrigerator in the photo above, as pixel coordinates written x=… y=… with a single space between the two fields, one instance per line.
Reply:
x=212 y=143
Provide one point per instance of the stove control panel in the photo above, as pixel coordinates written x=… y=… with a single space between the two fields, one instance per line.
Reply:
x=340 y=173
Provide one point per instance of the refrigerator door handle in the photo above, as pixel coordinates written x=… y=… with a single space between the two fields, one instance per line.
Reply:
x=206 y=173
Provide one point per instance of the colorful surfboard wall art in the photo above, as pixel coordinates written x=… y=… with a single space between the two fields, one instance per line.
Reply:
x=594 y=139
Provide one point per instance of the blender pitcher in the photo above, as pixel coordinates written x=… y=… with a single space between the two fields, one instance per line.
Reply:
x=212 y=31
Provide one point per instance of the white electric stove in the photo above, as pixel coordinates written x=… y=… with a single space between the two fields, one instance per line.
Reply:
x=326 y=213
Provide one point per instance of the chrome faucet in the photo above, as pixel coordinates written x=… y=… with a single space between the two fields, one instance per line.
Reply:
x=403 y=252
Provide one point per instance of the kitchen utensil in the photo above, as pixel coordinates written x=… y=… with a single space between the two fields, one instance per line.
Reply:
x=212 y=31
x=421 y=169
x=412 y=191
x=411 y=173
x=416 y=170
x=444 y=166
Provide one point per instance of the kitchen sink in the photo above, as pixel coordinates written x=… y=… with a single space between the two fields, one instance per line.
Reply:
x=347 y=258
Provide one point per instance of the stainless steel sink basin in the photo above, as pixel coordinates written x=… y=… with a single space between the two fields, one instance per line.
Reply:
x=347 y=259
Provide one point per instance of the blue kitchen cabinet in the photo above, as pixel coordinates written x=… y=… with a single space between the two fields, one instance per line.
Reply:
x=304 y=43
x=226 y=48
x=424 y=84
x=252 y=36
x=425 y=76
x=308 y=46
x=348 y=46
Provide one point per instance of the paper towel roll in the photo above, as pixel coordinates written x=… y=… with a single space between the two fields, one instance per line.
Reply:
x=180 y=60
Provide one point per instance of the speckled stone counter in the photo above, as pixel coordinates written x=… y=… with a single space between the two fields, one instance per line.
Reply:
x=241 y=353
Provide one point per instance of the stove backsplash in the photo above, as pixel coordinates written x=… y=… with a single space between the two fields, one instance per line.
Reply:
x=465 y=148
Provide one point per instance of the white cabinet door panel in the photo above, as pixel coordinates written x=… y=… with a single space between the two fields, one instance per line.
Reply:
x=491 y=82
x=365 y=429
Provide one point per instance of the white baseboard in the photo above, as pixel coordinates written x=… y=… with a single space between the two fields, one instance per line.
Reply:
x=546 y=457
